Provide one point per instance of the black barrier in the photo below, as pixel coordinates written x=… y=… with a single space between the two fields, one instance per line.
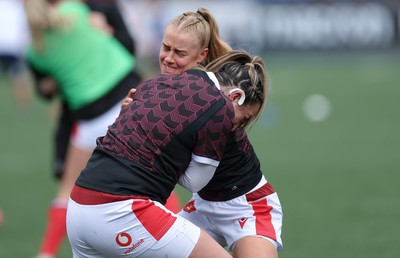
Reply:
x=322 y=26
x=280 y=24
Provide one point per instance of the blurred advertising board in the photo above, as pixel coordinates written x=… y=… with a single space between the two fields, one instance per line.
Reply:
x=265 y=25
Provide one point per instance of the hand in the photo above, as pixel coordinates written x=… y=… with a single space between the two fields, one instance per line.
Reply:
x=129 y=98
x=99 y=21
x=47 y=87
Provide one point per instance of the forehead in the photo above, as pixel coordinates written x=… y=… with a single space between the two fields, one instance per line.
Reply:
x=182 y=40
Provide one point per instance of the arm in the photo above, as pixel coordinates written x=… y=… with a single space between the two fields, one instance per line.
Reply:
x=210 y=144
x=98 y=20
x=197 y=175
x=45 y=86
x=114 y=19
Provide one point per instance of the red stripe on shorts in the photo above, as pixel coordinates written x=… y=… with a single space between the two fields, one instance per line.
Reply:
x=74 y=130
x=156 y=220
x=258 y=200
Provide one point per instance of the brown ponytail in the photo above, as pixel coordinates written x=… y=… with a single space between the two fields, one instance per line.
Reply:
x=239 y=69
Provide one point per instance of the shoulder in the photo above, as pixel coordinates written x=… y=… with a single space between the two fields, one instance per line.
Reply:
x=200 y=74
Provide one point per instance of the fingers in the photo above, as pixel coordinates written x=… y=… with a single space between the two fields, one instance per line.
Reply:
x=131 y=93
x=125 y=102
x=129 y=98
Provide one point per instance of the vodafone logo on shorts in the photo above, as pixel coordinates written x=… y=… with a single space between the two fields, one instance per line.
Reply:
x=123 y=239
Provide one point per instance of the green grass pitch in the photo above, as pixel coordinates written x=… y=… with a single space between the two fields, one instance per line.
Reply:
x=337 y=178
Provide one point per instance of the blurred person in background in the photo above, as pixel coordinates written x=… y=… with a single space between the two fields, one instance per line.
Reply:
x=74 y=57
x=14 y=41
x=174 y=131
x=238 y=207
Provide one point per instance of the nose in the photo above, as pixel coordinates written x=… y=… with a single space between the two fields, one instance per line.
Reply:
x=170 y=57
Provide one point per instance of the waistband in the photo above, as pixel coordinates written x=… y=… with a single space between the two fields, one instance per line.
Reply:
x=87 y=196
x=261 y=192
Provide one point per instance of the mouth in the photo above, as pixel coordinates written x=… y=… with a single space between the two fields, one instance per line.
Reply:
x=168 y=69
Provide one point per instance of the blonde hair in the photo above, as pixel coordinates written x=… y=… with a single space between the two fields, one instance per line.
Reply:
x=238 y=68
x=203 y=24
x=41 y=17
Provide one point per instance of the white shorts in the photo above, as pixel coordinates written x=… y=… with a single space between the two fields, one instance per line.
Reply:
x=85 y=132
x=128 y=228
x=257 y=213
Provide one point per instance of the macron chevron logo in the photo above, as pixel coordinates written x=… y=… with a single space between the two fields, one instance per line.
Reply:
x=242 y=221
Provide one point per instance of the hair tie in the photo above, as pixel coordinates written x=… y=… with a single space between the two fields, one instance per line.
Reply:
x=200 y=13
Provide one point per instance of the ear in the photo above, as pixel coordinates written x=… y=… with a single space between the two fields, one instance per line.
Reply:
x=238 y=94
x=203 y=55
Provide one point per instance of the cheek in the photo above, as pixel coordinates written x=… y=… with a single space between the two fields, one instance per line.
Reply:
x=184 y=63
x=238 y=117
x=161 y=56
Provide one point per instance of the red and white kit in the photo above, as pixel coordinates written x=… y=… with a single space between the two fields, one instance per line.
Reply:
x=256 y=213
x=104 y=225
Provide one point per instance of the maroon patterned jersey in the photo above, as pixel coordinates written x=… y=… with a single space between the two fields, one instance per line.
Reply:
x=238 y=172
x=152 y=141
